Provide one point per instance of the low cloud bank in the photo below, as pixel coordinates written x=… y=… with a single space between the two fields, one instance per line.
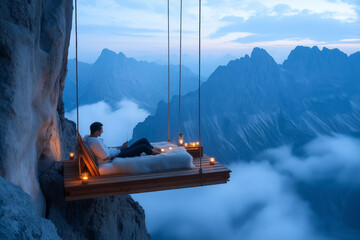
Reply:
x=118 y=123
x=327 y=158
x=262 y=199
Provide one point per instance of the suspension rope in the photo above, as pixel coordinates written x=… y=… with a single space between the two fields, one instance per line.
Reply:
x=77 y=77
x=77 y=82
x=180 y=65
x=201 y=172
x=168 y=12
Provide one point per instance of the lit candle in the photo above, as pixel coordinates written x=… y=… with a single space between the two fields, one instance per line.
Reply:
x=197 y=143
x=193 y=144
x=72 y=155
x=181 y=139
x=85 y=177
x=212 y=161
x=185 y=144
x=162 y=150
x=170 y=148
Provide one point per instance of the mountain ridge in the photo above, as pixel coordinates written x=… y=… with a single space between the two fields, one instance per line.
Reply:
x=253 y=103
x=113 y=77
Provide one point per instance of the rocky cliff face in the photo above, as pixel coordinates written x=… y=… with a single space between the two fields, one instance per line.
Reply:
x=33 y=55
x=17 y=219
x=35 y=136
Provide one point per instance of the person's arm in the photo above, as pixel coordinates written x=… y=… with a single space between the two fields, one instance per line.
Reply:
x=125 y=145
x=100 y=152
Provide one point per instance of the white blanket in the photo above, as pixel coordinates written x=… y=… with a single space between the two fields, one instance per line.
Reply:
x=176 y=159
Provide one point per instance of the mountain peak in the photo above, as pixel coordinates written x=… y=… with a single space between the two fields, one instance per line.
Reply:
x=107 y=52
x=259 y=52
x=302 y=55
x=303 y=52
x=109 y=56
x=122 y=55
x=261 y=56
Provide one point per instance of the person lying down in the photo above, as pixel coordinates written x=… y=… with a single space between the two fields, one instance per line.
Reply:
x=128 y=159
x=105 y=154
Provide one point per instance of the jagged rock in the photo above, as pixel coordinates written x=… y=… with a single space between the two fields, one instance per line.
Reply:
x=67 y=130
x=17 y=218
x=252 y=104
x=117 y=217
x=34 y=41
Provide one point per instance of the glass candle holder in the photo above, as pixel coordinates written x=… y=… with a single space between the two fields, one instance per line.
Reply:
x=72 y=155
x=212 y=161
x=181 y=139
x=84 y=177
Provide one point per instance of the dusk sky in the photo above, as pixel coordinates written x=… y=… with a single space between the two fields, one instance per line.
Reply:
x=230 y=28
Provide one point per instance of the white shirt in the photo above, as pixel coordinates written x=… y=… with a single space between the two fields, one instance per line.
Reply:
x=100 y=150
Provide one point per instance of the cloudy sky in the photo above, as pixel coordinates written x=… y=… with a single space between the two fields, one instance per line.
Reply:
x=230 y=28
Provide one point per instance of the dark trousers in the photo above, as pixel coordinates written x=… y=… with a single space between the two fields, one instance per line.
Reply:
x=136 y=149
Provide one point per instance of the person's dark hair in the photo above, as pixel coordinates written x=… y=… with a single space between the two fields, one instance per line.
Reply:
x=96 y=126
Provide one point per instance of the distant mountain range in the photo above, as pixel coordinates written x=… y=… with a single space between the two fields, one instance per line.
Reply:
x=113 y=77
x=253 y=103
x=208 y=62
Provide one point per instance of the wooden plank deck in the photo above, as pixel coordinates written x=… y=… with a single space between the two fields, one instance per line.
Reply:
x=111 y=185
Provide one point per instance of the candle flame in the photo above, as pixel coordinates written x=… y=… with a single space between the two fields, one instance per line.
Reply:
x=84 y=177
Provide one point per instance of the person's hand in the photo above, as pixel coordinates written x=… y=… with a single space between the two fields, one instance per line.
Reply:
x=125 y=145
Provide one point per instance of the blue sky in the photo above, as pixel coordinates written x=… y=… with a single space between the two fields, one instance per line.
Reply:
x=230 y=28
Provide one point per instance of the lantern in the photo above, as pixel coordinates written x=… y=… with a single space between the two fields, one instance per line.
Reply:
x=85 y=177
x=212 y=161
x=162 y=150
x=181 y=139
x=71 y=155
x=170 y=148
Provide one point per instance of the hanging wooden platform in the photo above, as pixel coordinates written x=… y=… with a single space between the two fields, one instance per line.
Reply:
x=111 y=185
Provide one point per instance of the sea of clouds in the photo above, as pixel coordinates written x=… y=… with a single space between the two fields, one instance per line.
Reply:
x=262 y=201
